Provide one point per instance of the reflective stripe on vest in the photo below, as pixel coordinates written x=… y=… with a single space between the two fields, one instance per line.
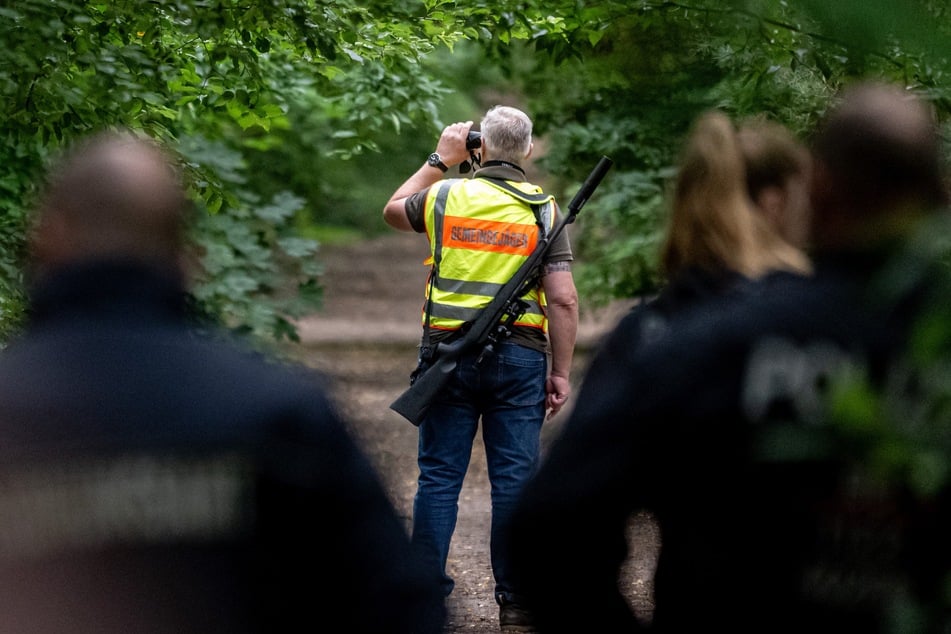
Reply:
x=479 y=235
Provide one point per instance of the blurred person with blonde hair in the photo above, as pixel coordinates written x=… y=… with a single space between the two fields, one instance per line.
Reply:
x=714 y=226
x=734 y=192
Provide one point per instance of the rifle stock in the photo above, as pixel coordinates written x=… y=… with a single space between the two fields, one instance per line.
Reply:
x=414 y=401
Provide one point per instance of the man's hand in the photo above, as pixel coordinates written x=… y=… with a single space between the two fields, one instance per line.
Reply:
x=451 y=148
x=452 y=143
x=557 y=389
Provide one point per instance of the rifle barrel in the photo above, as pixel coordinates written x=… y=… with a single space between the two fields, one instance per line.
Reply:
x=590 y=184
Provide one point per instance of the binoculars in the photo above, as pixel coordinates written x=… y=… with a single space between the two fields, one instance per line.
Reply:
x=473 y=143
x=474 y=140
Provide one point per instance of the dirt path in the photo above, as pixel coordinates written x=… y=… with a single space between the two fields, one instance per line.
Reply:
x=365 y=339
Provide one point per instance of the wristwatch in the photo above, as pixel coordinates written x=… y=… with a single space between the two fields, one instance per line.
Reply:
x=436 y=161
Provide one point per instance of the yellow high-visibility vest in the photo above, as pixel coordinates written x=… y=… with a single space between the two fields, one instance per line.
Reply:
x=480 y=232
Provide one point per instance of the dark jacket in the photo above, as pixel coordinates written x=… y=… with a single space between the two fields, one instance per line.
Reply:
x=650 y=318
x=768 y=519
x=156 y=480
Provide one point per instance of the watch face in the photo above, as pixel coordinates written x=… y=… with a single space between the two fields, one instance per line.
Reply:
x=436 y=161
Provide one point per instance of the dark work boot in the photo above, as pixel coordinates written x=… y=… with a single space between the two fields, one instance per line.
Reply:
x=515 y=619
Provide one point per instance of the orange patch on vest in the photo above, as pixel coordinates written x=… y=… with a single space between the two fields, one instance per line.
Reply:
x=489 y=235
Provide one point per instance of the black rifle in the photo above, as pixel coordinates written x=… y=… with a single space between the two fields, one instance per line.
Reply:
x=495 y=320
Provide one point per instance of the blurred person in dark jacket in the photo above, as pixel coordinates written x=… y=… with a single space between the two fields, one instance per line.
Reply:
x=772 y=516
x=153 y=479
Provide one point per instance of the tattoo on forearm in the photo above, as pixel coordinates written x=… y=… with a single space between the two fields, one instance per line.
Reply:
x=551 y=267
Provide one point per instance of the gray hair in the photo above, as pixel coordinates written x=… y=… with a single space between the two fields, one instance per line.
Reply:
x=507 y=133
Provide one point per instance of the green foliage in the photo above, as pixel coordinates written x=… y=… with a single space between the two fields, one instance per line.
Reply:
x=256 y=274
x=225 y=71
x=335 y=101
x=11 y=276
x=326 y=158
x=649 y=68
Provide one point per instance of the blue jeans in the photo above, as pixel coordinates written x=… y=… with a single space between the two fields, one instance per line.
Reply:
x=508 y=391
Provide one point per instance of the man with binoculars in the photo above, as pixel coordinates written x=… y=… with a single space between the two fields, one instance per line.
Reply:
x=480 y=230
